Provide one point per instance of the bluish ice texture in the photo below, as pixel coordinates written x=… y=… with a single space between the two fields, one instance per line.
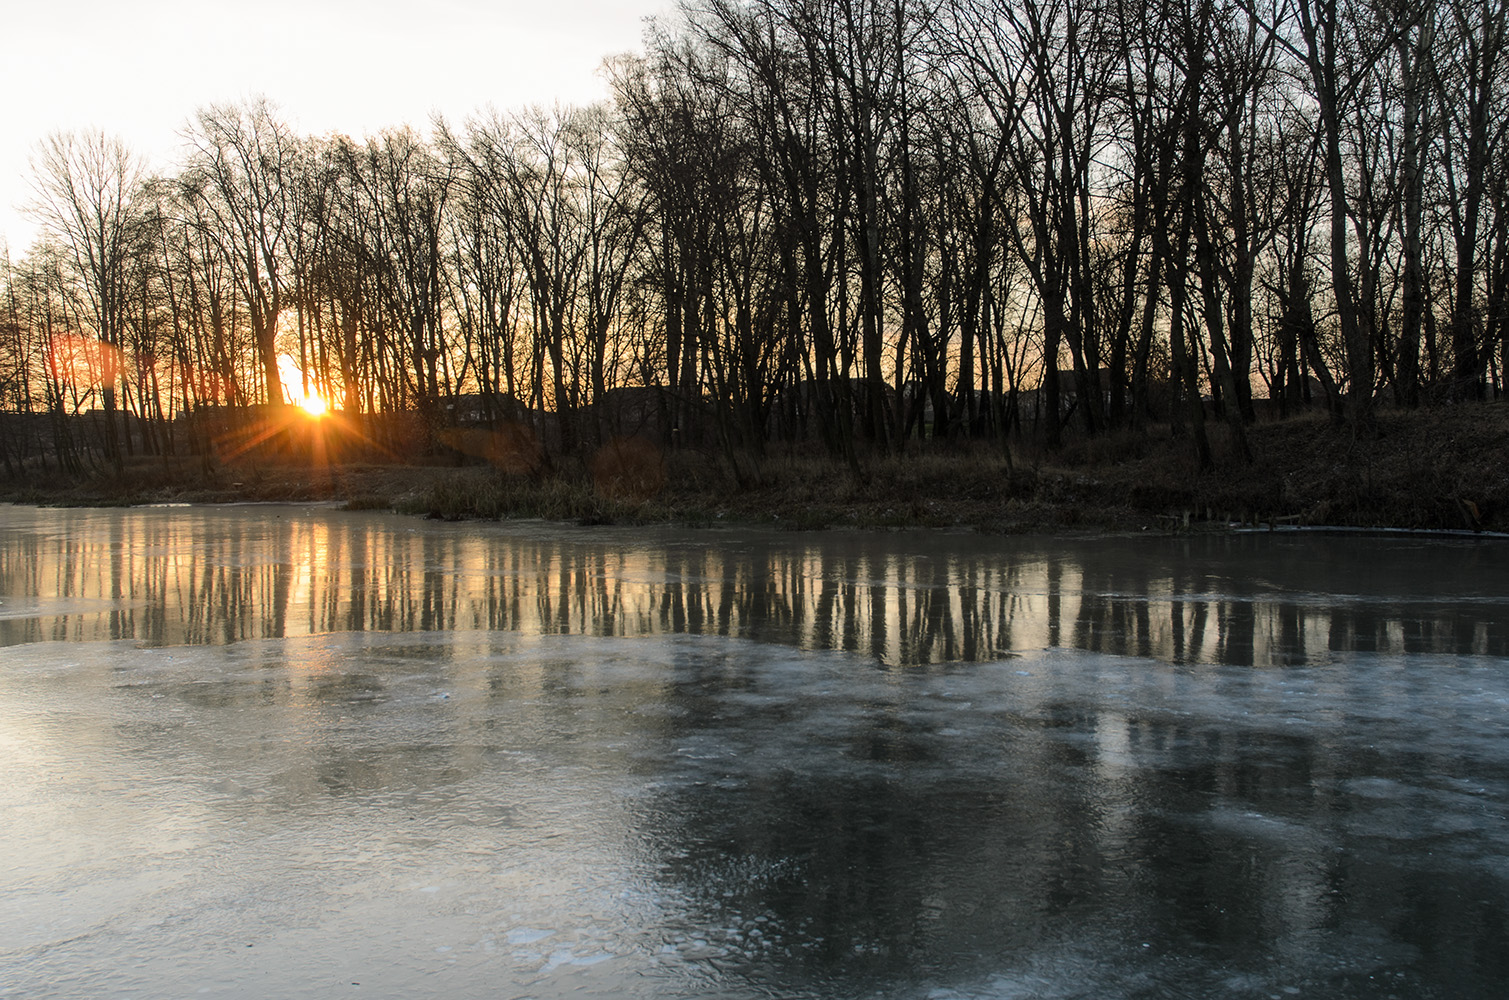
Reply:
x=286 y=752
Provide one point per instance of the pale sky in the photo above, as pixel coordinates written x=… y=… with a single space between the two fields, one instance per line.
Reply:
x=139 y=68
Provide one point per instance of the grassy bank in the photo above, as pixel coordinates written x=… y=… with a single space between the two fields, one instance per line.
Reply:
x=1442 y=469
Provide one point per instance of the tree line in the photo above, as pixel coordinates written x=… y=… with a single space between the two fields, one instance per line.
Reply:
x=858 y=222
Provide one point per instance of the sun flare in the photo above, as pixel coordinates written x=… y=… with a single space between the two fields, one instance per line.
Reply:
x=312 y=403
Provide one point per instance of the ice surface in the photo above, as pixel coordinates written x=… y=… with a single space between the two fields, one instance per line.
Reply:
x=533 y=801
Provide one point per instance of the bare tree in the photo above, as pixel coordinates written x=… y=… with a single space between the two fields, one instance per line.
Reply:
x=1042 y=75
x=239 y=183
x=87 y=187
x=406 y=188
x=1474 y=81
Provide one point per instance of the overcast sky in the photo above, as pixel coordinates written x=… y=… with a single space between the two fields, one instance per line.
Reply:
x=139 y=68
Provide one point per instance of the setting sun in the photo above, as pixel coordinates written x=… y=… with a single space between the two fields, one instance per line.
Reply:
x=312 y=403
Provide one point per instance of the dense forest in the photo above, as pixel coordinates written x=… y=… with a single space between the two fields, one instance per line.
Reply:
x=865 y=224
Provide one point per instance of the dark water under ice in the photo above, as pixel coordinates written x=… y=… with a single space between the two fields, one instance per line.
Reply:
x=300 y=752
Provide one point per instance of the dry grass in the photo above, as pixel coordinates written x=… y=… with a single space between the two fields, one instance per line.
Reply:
x=1445 y=468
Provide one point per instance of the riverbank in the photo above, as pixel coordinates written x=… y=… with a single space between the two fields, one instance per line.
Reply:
x=1443 y=469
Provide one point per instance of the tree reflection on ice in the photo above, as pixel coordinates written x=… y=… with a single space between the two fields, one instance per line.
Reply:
x=208 y=576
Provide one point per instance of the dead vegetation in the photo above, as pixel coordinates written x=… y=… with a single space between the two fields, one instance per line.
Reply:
x=1442 y=469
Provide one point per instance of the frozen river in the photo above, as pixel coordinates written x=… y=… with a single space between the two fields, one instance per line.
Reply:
x=301 y=752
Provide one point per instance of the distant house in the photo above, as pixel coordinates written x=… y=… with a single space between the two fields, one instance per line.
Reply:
x=484 y=409
x=796 y=410
x=1310 y=393
x=636 y=411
